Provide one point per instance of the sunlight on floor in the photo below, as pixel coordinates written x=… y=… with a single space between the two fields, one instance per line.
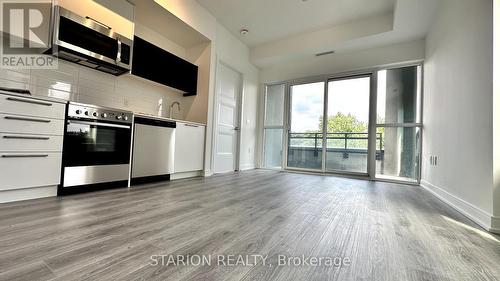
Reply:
x=478 y=231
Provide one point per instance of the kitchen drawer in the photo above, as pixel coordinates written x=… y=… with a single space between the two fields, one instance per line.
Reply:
x=31 y=107
x=24 y=170
x=10 y=123
x=23 y=143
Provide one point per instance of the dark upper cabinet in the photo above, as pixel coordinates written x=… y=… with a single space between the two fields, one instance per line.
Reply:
x=155 y=64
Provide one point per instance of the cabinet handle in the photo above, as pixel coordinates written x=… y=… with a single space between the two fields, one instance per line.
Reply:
x=25 y=138
x=25 y=156
x=191 y=125
x=27 y=119
x=29 y=101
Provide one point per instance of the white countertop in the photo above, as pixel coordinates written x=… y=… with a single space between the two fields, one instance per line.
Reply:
x=145 y=115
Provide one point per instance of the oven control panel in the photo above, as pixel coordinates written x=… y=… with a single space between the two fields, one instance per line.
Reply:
x=83 y=111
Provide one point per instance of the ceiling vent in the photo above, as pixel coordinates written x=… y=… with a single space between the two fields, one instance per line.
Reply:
x=325 y=53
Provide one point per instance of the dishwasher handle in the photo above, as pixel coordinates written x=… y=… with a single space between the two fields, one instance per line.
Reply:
x=155 y=122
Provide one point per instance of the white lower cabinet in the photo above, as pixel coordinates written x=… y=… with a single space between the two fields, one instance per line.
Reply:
x=189 y=148
x=26 y=170
x=31 y=140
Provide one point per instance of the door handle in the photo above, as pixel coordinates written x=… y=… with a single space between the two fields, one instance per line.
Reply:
x=236 y=128
x=27 y=119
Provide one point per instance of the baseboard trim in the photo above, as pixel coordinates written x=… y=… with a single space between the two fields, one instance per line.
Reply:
x=247 y=168
x=481 y=217
x=495 y=225
x=186 y=175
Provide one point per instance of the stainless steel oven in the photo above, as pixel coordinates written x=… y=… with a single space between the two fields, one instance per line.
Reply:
x=97 y=144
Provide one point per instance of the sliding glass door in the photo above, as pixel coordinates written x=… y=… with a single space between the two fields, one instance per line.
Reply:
x=305 y=136
x=273 y=126
x=366 y=124
x=347 y=125
x=338 y=144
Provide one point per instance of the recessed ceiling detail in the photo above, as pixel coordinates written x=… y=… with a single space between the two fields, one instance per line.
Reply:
x=271 y=20
x=291 y=30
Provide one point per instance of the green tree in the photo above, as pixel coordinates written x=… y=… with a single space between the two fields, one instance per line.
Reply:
x=342 y=123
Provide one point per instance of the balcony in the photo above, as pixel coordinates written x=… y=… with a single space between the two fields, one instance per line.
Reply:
x=345 y=151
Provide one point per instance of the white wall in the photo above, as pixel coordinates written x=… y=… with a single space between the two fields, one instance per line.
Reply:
x=230 y=50
x=201 y=56
x=234 y=53
x=192 y=14
x=458 y=110
x=496 y=115
x=341 y=62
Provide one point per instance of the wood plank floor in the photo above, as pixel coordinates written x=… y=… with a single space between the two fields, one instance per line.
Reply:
x=386 y=231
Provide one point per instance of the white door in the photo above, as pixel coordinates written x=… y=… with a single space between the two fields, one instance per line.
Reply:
x=228 y=90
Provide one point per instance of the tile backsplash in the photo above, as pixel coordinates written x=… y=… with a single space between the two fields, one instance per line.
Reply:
x=84 y=85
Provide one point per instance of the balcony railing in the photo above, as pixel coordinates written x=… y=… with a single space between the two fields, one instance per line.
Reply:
x=338 y=142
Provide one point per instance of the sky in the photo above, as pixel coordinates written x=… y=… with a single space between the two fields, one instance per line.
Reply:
x=350 y=96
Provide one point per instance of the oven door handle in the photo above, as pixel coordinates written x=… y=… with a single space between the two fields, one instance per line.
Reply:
x=99 y=124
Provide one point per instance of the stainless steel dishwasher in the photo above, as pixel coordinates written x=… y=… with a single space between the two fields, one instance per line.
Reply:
x=153 y=150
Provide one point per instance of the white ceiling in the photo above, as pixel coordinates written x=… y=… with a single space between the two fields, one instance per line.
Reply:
x=270 y=20
x=286 y=30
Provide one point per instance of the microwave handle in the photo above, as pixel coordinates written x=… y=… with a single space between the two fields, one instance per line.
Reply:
x=119 y=54
x=98 y=22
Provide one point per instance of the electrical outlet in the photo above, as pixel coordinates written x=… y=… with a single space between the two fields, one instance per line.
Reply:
x=434 y=160
x=125 y=102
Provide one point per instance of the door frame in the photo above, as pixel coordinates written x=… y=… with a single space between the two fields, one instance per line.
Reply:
x=371 y=123
x=239 y=107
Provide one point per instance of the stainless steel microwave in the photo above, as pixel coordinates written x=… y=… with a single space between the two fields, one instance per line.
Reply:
x=88 y=42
